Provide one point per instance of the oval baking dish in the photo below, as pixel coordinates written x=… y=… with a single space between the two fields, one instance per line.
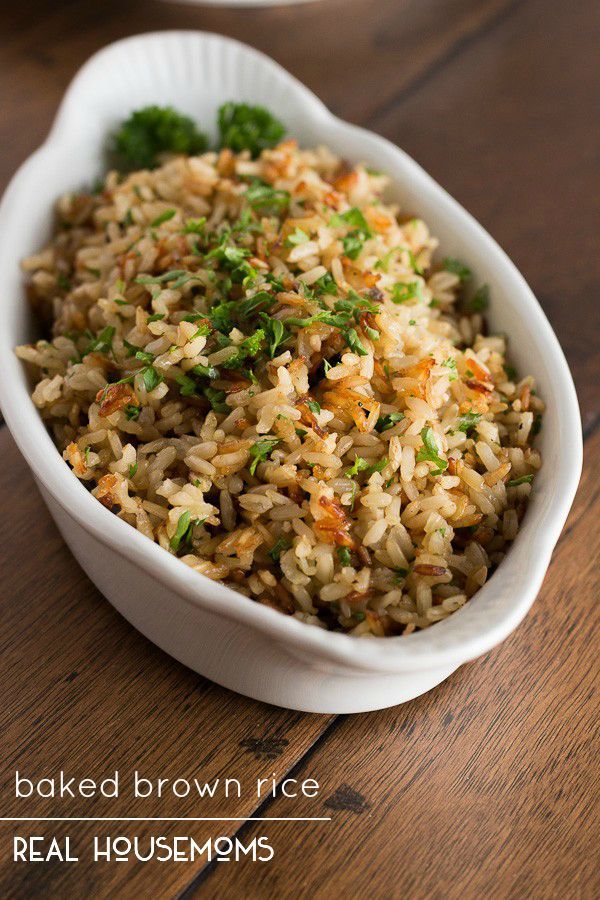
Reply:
x=240 y=644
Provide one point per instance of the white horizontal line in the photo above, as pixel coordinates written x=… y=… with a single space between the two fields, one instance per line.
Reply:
x=165 y=819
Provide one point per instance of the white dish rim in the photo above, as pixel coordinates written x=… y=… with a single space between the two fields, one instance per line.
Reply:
x=433 y=647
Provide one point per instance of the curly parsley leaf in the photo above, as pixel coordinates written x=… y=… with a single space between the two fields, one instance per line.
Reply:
x=244 y=127
x=153 y=130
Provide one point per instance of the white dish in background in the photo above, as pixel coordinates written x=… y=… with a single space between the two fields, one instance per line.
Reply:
x=219 y=633
x=249 y=4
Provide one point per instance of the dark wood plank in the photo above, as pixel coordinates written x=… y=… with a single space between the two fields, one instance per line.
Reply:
x=83 y=691
x=357 y=57
x=508 y=128
x=483 y=788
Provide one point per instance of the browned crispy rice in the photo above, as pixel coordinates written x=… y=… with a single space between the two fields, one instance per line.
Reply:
x=257 y=365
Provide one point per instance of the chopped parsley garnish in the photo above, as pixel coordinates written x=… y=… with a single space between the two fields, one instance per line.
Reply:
x=344 y=556
x=359 y=465
x=63 y=282
x=402 y=293
x=183 y=532
x=450 y=363
x=384 y=262
x=353 y=244
x=389 y=420
x=194 y=226
x=298 y=236
x=400 y=575
x=217 y=400
x=352 y=217
x=244 y=127
x=251 y=305
x=205 y=371
x=132 y=411
x=187 y=385
x=378 y=466
x=172 y=275
x=133 y=469
x=249 y=347
x=353 y=341
x=102 y=343
x=467 y=421
x=326 y=284
x=164 y=217
x=353 y=305
x=457 y=268
x=524 y=479
x=151 y=377
x=220 y=316
x=265 y=199
x=314 y=407
x=153 y=130
x=362 y=465
x=260 y=452
x=275 y=332
x=230 y=256
x=155 y=317
x=278 y=547
x=430 y=453
x=325 y=316
x=480 y=299
x=138 y=352
x=354 y=240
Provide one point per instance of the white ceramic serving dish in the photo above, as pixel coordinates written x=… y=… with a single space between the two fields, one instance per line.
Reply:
x=247 y=4
x=207 y=626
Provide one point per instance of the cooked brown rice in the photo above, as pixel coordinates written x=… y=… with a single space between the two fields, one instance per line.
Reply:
x=291 y=395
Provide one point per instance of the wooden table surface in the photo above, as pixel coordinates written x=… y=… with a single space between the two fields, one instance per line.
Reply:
x=485 y=787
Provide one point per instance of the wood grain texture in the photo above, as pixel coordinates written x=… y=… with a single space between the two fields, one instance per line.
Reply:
x=356 y=69
x=480 y=788
x=89 y=694
x=507 y=128
x=486 y=786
